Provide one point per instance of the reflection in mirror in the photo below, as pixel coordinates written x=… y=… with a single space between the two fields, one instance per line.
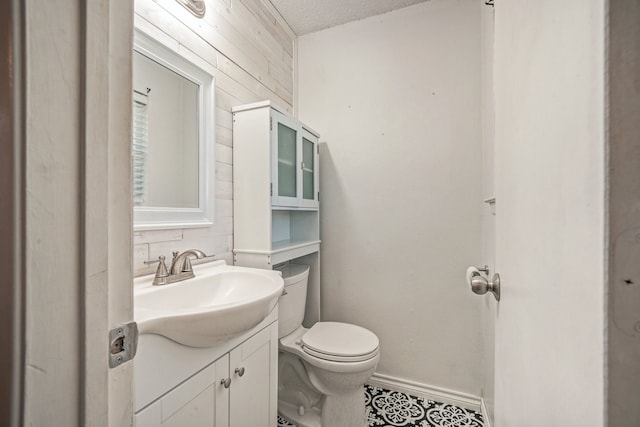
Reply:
x=165 y=112
x=172 y=143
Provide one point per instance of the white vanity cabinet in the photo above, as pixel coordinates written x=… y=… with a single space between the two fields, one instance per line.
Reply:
x=238 y=389
x=201 y=401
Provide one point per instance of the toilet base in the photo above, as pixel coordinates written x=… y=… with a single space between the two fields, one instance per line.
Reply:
x=344 y=410
x=311 y=417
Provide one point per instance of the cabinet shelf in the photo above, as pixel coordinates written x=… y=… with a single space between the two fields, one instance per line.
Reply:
x=286 y=250
x=286 y=245
x=286 y=162
x=294 y=209
x=281 y=251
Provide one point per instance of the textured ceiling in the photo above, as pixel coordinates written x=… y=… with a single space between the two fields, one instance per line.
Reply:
x=307 y=16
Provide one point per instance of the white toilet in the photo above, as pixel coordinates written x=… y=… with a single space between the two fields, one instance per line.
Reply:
x=321 y=370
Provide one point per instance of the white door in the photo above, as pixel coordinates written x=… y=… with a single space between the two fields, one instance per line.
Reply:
x=489 y=304
x=77 y=219
x=550 y=206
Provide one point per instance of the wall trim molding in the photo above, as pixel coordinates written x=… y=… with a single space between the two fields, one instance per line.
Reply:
x=427 y=391
x=276 y=13
x=487 y=421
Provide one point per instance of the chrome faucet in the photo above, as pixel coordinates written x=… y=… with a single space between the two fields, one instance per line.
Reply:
x=180 y=267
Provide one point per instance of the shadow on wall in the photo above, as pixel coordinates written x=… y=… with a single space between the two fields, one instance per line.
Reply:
x=331 y=189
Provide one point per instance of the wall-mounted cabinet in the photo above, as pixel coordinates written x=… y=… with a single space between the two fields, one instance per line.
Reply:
x=275 y=187
x=276 y=193
x=294 y=156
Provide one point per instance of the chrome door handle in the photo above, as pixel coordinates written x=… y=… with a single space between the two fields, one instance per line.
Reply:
x=480 y=285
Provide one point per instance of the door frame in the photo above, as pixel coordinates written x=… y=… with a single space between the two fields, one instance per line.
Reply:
x=11 y=210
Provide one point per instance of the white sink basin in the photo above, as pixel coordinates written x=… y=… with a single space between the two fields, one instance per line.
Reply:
x=219 y=303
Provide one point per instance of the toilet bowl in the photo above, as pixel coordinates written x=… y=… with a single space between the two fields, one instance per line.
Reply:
x=322 y=370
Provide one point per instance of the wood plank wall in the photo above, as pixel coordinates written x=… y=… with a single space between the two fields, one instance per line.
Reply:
x=251 y=51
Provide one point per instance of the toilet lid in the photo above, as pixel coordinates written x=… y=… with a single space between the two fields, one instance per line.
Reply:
x=341 y=342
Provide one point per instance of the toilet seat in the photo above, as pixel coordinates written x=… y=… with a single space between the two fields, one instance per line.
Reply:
x=340 y=342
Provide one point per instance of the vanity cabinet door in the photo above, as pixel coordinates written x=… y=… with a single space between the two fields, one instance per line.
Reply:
x=201 y=401
x=254 y=376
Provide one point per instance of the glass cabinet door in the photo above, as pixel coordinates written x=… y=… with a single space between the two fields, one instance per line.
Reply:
x=309 y=169
x=285 y=136
x=294 y=164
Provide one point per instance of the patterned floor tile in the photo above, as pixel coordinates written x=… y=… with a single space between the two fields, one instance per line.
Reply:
x=386 y=408
x=284 y=423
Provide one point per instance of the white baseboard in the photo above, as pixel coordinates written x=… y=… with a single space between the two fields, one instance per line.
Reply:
x=427 y=391
x=486 y=420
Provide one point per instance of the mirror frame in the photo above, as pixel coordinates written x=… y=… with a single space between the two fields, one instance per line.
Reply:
x=158 y=218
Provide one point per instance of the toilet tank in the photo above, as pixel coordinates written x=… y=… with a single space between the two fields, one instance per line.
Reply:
x=292 y=305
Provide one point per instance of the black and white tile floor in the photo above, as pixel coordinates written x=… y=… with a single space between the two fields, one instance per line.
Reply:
x=386 y=408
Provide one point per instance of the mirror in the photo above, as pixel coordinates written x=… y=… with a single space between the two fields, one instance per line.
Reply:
x=172 y=144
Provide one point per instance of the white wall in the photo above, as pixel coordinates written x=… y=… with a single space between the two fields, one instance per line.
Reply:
x=549 y=177
x=252 y=53
x=396 y=97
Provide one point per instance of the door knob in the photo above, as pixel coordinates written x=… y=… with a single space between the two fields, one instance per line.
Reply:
x=480 y=285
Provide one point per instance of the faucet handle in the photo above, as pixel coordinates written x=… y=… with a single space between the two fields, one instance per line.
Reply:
x=186 y=266
x=162 y=267
x=153 y=261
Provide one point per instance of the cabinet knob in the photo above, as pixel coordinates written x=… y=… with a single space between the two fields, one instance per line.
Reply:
x=240 y=371
x=226 y=382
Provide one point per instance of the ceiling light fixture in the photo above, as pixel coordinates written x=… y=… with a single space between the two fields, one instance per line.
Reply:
x=196 y=7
